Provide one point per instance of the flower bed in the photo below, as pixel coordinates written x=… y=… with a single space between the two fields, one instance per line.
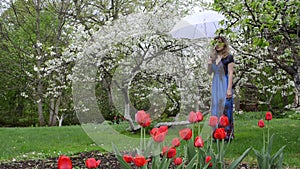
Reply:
x=188 y=151
x=108 y=161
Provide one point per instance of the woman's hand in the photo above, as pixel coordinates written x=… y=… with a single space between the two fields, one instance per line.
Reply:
x=209 y=61
x=228 y=93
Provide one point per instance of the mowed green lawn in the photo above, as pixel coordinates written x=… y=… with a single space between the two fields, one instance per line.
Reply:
x=43 y=142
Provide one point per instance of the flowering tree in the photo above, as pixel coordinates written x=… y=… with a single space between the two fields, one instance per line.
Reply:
x=130 y=45
x=268 y=41
x=47 y=73
x=37 y=52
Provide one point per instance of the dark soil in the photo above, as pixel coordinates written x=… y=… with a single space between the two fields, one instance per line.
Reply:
x=108 y=161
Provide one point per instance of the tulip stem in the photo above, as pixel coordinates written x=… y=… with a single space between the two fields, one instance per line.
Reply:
x=141 y=140
x=145 y=139
x=193 y=129
x=186 y=149
x=268 y=132
x=219 y=150
x=222 y=153
x=211 y=142
x=199 y=158
x=264 y=142
x=198 y=129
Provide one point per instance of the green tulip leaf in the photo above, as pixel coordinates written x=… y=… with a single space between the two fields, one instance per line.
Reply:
x=123 y=163
x=190 y=150
x=155 y=162
x=191 y=163
x=278 y=154
x=270 y=144
x=259 y=157
x=235 y=163
x=165 y=162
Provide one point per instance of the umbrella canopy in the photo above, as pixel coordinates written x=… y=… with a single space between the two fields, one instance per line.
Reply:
x=199 y=25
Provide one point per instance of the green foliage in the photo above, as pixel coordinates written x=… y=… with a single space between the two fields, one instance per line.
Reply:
x=104 y=104
x=119 y=156
x=30 y=38
x=267 y=45
x=265 y=159
x=19 y=38
x=16 y=110
x=143 y=89
x=294 y=116
x=52 y=141
x=191 y=163
x=218 y=153
x=235 y=163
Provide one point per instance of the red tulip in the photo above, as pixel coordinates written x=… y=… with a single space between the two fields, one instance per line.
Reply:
x=199 y=142
x=199 y=116
x=261 y=123
x=220 y=133
x=192 y=117
x=139 y=160
x=164 y=150
x=154 y=131
x=186 y=133
x=143 y=118
x=163 y=129
x=207 y=160
x=170 y=151
x=177 y=160
x=213 y=121
x=128 y=158
x=92 y=163
x=64 y=162
x=176 y=142
x=268 y=116
x=159 y=137
x=224 y=121
x=159 y=134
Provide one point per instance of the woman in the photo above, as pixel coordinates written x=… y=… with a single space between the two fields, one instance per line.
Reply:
x=221 y=64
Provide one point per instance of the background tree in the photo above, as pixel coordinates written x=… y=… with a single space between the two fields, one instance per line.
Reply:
x=34 y=37
x=32 y=33
x=41 y=41
x=131 y=44
x=269 y=37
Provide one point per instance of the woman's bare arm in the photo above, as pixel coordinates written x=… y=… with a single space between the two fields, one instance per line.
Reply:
x=230 y=79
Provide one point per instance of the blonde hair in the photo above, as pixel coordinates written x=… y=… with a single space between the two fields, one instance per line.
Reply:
x=224 y=52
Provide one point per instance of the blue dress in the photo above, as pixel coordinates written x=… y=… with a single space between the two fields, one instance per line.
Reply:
x=220 y=105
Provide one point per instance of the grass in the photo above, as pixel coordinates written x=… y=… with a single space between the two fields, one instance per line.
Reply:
x=23 y=143
x=287 y=132
x=42 y=142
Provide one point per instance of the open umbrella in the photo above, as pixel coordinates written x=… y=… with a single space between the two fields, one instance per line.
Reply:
x=199 y=25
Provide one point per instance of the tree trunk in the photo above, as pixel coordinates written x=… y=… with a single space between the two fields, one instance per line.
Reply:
x=107 y=86
x=270 y=107
x=39 y=61
x=285 y=100
x=53 y=110
x=56 y=110
x=296 y=78
x=40 y=112
x=296 y=98
x=60 y=119
x=127 y=115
